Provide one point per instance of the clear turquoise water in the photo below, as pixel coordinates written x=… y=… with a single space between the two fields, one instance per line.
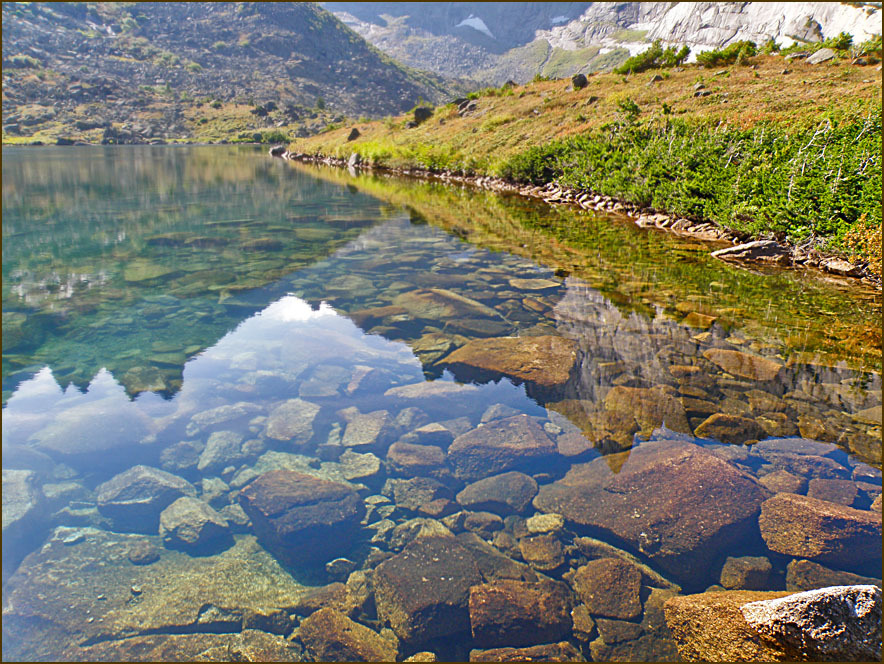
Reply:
x=146 y=286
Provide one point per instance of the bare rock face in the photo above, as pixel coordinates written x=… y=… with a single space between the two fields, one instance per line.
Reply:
x=507 y=444
x=134 y=499
x=709 y=627
x=303 y=519
x=545 y=361
x=659 y=480
x=552 y=652
x=331 y=636
x=806 y=527
x=424 y=591
x=836 y=624
x=518 y=613
x=508 y=493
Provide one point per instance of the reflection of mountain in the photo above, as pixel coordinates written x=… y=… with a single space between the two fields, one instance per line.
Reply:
x=136 y=258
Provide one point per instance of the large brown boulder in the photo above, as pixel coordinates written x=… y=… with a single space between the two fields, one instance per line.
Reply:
x=806 y=527
x=674 y=502
x=331 y=636
x=545 y=361
x=301 y=518
x=709 y=627
x=424 y=591
x=518 y=613
x=507 y=444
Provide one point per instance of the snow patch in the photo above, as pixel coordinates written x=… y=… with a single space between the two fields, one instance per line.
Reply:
x=555 y=20
x=475 y=23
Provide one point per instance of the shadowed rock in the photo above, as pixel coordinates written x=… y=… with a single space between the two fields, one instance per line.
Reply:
x=424 y=591
x=509 y=493
x=518 y=613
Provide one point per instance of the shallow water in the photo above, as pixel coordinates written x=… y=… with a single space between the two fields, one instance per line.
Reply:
x=218 y=314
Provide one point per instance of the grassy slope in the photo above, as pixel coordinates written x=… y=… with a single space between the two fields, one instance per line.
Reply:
x=508 y=124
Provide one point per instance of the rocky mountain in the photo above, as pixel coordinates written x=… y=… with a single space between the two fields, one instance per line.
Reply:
x=99 y=66
x=492 y=42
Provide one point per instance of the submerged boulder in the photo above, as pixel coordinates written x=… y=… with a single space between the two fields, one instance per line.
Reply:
x=507 y=444
x=716 y=504
x=191 y=524
x=24 y=508
x=819 y=530
x=134 y=499
x=508 y=493
x=610 y=587
x=519 y=613
x=301 y=518
x=330 y=636
x=551 y=652
x=424 y=591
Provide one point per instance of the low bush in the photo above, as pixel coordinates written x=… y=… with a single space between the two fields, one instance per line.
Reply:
x=655 y=57
x=738 y=52
x=816 y=182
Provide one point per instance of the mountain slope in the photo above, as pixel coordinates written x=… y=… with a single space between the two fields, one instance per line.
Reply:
x=87 y=67
x=492 y=42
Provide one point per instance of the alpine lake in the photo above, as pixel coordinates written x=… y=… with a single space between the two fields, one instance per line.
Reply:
x=264 y=411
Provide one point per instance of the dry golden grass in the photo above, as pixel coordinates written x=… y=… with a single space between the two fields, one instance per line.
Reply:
x=504 y=124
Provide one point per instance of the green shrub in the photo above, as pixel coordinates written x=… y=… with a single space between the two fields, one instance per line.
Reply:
x=655 y=57
x=816 y=182
x=738 y=52
x=216 y=104
x=274 y=137
x=194 y=67
x=23 y=61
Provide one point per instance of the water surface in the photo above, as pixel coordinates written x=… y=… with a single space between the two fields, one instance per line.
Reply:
x=217 y=314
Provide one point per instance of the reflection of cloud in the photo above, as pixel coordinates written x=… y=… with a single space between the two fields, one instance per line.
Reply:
x=291 y=308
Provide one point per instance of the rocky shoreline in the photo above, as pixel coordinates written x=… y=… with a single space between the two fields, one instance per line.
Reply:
x=743 y=248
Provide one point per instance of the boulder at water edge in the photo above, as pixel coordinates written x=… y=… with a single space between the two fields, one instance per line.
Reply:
x=302 y=519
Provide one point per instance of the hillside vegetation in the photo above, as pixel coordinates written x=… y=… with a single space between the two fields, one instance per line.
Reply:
x=780 y=148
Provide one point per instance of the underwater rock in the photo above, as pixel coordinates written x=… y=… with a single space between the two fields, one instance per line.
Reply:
x=24 y=511
x=840 y=624
x=501 y=445
x=782 y=481
x=552 y=652
x=660 y=479
x=331 y=636
x=411 y=460
x=745 y=573
x=744 y=365
x=542 y=552
x=729 y=428
x=546 y=361
x=45 y=608
x=302 y=519
x=843 y=492
x=436 y=304
x=193 y=525
x=430 y=392
x=609 y=587
x=292 y=421
x=210 y=419
x=650 y=407
x=423 y=592
x=134 y=499
x=368 y=430
x=808 y=575
x=412 y=494
x=223 y=449
x=518 y=613
x=508 y=493
x=806 y=527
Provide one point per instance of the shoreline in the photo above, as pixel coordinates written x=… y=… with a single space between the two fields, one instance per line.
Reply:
x=740 y=248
